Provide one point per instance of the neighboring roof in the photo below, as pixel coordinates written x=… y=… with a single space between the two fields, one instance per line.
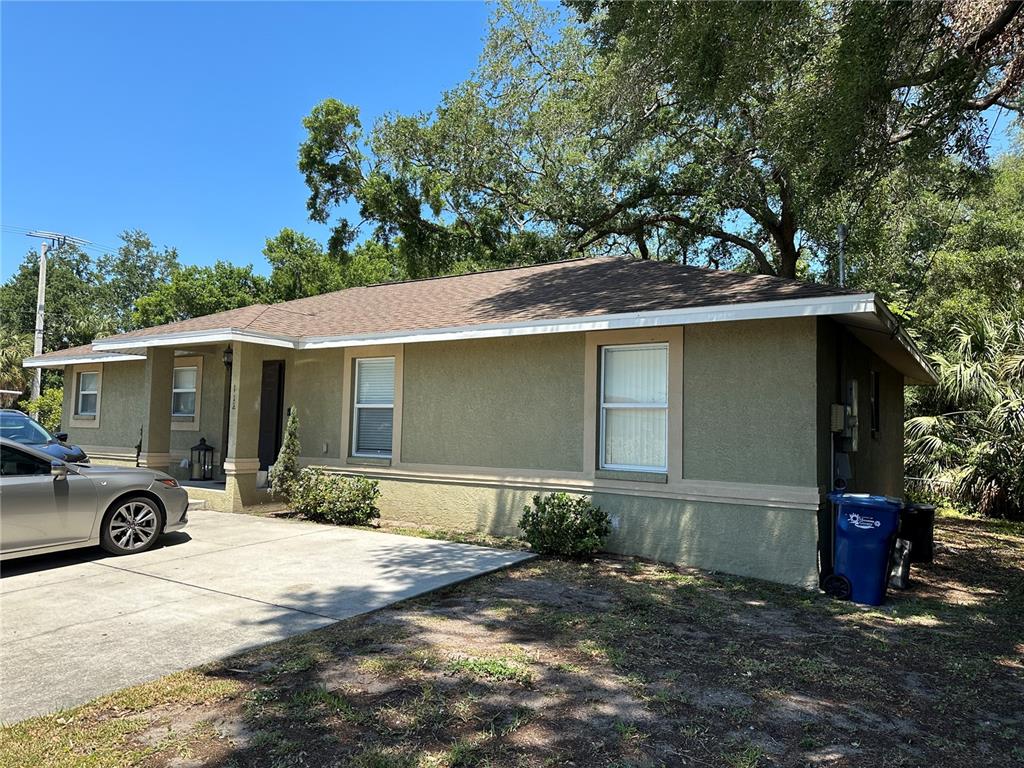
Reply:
x=578 y=294
x=80 y=355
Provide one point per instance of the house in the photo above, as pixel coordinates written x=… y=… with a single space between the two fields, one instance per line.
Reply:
x=697 y=407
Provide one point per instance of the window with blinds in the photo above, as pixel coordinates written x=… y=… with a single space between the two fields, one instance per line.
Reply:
x=374 y=406
x=634 y=407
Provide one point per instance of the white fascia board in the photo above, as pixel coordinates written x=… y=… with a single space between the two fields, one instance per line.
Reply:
x=60 y=362
x=762 y=310
x=197 y=337
x=905 y=341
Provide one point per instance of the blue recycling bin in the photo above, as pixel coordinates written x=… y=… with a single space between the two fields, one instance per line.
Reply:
x=864 y=533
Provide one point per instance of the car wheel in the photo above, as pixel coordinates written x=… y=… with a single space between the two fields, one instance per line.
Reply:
x=130 y=525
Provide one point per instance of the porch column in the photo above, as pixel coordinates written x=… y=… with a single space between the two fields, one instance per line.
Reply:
x=156 y=433
x=241 y=460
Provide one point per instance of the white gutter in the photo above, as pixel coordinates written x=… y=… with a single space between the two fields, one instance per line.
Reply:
x=897 y=332
x=196 y=337
x=56 y=361
x=762 y=310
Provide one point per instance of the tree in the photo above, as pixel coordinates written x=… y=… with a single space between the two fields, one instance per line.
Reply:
x=74 y=315
x=14 y=347
x=285 y=473
x=969 y=436
x=939 y=258
x=137 y=269
x=734 y=133
x=193 y=291
x=300 y=267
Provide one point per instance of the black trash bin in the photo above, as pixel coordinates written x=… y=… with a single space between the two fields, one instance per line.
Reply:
x=917 y=525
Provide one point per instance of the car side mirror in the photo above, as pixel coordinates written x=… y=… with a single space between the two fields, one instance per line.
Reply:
x=62 y=437
x=59 y=470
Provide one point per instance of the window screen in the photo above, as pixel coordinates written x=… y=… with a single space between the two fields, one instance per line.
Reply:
x=374 y=406
x=634 y=407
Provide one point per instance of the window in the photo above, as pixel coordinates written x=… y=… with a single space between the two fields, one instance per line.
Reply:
x=88 y=393
x=183 y=391
x=15 y=463
x=374 y=406
x=876 y=412
x=634 y=407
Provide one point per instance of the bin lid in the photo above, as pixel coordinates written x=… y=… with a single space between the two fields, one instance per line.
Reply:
x=864 y=500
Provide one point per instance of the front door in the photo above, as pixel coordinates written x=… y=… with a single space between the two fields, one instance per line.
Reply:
x=271 y=412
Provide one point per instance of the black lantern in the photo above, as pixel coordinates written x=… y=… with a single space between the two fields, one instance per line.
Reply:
x=202 y=461
x=228 y=357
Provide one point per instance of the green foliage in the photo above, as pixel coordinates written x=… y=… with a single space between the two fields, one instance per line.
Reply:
x=968 y=436
x=50 y=407
x=337 y=499
x=73 y=314
x=564 y=525
x=284 y=475
x=193 y=291
x=14 y=347
x=300 y=267
x=137 y=269
x=738 y=134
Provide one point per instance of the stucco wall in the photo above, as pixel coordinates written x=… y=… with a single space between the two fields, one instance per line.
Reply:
x=515 y=403
x=211 y=410
x=749 y=402
x=768 y=543
x=122 y=397
x=313 y=385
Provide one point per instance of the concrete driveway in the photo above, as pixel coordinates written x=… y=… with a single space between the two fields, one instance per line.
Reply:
x=80 y=624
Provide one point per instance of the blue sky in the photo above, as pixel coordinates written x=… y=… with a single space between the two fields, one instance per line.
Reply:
x=184 y=119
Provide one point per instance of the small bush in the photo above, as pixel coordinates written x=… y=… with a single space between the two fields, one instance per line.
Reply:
x=48 y=405
x=285 y=473
x=327 y=498
x=564 y=525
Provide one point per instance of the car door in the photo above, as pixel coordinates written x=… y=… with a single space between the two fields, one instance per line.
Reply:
x=39 y=509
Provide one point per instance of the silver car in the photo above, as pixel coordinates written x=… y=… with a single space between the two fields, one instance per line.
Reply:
x=48 y=505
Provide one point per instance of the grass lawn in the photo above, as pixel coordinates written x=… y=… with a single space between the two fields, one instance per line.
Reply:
x=613 y=663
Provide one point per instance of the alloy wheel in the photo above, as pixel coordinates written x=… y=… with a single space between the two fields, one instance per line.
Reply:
x=133 y=525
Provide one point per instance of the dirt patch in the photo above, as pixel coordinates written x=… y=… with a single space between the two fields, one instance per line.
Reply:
x=621 y=663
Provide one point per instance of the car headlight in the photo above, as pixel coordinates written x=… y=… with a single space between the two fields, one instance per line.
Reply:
x=170 y=482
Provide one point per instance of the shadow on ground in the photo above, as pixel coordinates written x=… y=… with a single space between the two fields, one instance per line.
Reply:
x=622 y=663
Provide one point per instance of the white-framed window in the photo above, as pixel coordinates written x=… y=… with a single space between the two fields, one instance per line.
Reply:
x=634 y=408
x=183 y=391
x=88 y=395
x=373 y=409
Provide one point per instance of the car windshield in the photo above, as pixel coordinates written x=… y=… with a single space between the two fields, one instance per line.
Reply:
x=22 y=429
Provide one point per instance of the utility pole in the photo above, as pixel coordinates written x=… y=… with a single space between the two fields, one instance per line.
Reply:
x=49 y=240
x=37 y=347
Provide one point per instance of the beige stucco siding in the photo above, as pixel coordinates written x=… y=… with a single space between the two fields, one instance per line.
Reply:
x=211 y=410
x=770 y=543
x=121 y=409
x=313 y=385
x=515 y=403
x=749 y=402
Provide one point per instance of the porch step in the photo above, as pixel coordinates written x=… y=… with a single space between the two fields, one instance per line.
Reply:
x=196 y=504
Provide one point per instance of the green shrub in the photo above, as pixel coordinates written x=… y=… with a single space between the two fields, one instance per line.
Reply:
x=328 y=498
x=285 y=473
x=49 y=405
x=564 y=525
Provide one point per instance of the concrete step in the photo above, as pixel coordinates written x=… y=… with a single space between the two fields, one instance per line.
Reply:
x=197 y=504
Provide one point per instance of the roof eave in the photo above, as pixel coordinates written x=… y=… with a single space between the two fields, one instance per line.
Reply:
x=763 y=310
x=58 y=361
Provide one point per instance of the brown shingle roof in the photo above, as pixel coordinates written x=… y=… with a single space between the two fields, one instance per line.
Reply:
x=576 y=288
